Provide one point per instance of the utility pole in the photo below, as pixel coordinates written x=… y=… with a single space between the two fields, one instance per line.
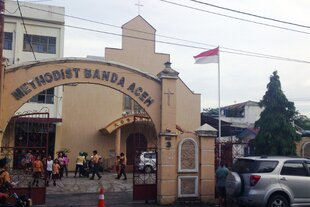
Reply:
x=1 y=60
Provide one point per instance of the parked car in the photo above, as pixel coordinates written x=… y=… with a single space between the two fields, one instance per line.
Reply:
x=270 y=181
x=147 y=162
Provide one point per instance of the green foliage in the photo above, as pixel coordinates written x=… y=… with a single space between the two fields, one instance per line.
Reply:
x=277 y=135
x=302 y=121
x=211 y=112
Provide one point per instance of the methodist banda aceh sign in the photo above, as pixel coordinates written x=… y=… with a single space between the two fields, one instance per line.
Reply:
x=70 y=73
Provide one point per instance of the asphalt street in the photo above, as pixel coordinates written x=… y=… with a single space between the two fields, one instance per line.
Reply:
x=82 y=192
x=115 y=199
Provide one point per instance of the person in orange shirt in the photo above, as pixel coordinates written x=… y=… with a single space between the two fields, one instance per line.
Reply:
x=55 y=171
x=37 y=167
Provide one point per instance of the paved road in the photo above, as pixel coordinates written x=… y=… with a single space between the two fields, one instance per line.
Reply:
x=115 y=199
x=82 y=192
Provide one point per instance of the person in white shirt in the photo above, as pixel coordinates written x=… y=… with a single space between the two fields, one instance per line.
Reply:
x=49 y=169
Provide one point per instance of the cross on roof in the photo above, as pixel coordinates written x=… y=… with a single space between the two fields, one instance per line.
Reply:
x=138 y=5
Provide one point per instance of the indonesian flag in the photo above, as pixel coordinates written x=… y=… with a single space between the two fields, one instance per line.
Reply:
x=210 y=56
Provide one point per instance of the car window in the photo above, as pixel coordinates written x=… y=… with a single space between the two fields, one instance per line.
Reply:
x=266 y=166
x=254 y=166
x=308 y=165
x=147 y=155
x=294 y=168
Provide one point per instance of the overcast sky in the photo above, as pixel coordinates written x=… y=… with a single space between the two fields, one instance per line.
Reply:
x=243 y=78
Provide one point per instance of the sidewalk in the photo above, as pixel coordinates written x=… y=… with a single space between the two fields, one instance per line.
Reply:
x=82 y=192
x=69 y=185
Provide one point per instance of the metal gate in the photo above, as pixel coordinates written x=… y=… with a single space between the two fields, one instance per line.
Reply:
x=230 y=151
x=26 y=133
x=145 y=174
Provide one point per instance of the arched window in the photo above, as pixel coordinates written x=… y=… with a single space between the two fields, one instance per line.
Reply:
x=188 y=155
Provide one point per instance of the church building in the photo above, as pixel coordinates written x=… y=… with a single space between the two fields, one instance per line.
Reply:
x=132 y=102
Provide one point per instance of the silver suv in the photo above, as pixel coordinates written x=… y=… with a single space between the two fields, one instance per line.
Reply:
x=147 y=162
x=270 y=181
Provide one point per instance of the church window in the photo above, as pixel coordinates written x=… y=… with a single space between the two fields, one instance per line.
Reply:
x=188 y=156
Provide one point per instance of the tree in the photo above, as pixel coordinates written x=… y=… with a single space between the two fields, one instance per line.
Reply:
x=302 y=121
x=277 y=135
x=211 y=112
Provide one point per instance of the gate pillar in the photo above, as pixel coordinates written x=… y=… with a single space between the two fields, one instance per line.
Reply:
x=207 y=136
x=167 y=146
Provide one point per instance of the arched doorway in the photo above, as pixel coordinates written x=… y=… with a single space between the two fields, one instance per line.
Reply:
x=23 y=82
x=134 y=141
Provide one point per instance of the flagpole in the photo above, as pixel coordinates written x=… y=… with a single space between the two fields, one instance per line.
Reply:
x=209 y=57
x=219 y=106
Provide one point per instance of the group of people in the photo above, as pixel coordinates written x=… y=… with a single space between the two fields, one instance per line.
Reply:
x=45 y=167
x=85 y=168
x=53 y=170
x=90 y=168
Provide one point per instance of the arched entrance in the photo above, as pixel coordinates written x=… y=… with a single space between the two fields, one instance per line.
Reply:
x=156 y=95
x=24 y=81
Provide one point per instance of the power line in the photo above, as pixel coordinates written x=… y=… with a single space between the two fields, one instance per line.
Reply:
x=240 y=52
x=21 y=16
x=231 y=50
x=232 y=17
x=189 y=46
x=106 y=24
x=250 y=14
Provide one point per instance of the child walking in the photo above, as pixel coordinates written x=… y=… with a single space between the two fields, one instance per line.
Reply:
x=37 y=171
x=49 y=169
x=55 y=172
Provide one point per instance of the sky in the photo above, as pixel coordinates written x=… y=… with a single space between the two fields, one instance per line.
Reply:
x=242 y=78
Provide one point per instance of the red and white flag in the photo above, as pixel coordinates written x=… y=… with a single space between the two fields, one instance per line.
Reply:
x=210 y=56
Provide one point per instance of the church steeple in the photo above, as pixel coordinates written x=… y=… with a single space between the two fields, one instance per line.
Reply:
x=138 y=47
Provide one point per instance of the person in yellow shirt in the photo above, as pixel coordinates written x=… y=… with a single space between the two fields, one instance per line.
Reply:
x=96 y=165
x=37 y=167
x=79 y=164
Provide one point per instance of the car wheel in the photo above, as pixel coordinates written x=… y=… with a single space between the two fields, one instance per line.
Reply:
x=233 y=184
x=277 y=201
x=148 y=169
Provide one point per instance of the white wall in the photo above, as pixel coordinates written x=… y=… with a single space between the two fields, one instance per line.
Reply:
x=251 y=115
x=37 y=23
